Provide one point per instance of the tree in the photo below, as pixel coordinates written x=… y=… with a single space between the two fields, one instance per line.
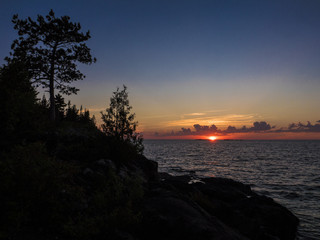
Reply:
x=60 y=106
x=72 y=113
x=119 y=121
x=18 y=104
x=50 y=47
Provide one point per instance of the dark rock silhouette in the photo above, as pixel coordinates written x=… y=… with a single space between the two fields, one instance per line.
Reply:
x=210 y=208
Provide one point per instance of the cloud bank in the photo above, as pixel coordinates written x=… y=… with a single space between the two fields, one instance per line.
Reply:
x=257 y=127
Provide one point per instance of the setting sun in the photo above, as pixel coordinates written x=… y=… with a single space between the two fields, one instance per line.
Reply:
x=212 y=138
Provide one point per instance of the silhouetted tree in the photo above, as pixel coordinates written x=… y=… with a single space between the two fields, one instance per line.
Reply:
x=44 y=103
x=119 y=121
x=50 y=48
x=17 y=104
x=72 y=113
x=84 y=116
x=60 y=107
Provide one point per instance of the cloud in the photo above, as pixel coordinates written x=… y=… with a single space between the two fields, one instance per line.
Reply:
x=205 y=119
x=194 y=114
x=300 y=127
x=261 y=126
x=257 y=127
x=200 y=128
x=186 y=131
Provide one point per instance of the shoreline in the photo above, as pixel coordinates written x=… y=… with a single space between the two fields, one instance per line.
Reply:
x=211 y=208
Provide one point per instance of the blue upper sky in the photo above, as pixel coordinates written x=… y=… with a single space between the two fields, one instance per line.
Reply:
x=256 y=59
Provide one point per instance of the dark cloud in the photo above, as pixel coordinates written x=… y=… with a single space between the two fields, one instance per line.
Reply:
x=261 y=127
x=292 y=126
x=257 y=127
x=231 y=129
x=183 y=132
x=186 y=131
x=204 y=128
x=300 y=127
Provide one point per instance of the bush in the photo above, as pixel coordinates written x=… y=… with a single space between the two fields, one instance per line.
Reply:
x=45 y=198
x=20 y=121
x=32 y=193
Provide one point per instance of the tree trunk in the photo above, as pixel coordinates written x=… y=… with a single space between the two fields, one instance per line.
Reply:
x=52 y=103
x=51 y=86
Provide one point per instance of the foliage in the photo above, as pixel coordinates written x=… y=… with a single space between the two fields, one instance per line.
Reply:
x=50 y=48
x=31 y=190
x=60 y=107
x=19 y=120
x=81 y=142
x=112 y=207
x=46 y=189
x=119 y=121
x=78 y=115
x=67 y=112
x=45 y=198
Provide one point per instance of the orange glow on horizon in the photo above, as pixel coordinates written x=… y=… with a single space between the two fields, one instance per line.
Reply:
x=212 y=138
x=244 y=136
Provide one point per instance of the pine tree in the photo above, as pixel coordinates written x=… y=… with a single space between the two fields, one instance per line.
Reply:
x=60 y=107
x=18 y=104
x=50 y=47
x=119 y=121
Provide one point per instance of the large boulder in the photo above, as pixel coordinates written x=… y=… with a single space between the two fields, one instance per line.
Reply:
x=146 y=168
x=168 y=215
x=232 y=204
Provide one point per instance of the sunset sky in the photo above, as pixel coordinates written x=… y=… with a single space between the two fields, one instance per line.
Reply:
x=192 y=64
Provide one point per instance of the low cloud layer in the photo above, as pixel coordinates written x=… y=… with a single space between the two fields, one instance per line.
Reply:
x=300 y=127
x=257 y=127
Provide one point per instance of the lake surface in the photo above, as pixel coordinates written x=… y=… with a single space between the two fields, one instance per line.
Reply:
x=287 y=171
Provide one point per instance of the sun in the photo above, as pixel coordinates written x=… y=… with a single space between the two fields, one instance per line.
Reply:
x=212 y=138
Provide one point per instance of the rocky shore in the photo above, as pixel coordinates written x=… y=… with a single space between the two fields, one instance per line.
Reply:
x=180 y=207
x=128 y=199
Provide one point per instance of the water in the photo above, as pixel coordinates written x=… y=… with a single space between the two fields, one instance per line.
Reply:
x=287 y=171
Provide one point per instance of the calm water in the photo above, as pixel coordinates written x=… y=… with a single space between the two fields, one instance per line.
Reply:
x=287 y=171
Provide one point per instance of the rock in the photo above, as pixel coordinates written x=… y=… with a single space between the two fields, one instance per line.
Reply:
x=187 y=207
x=168 y=215
x=271 y=219
x=236 y=205
x=148 y=169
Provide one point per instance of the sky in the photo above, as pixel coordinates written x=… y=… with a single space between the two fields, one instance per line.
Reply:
x=195 y=68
